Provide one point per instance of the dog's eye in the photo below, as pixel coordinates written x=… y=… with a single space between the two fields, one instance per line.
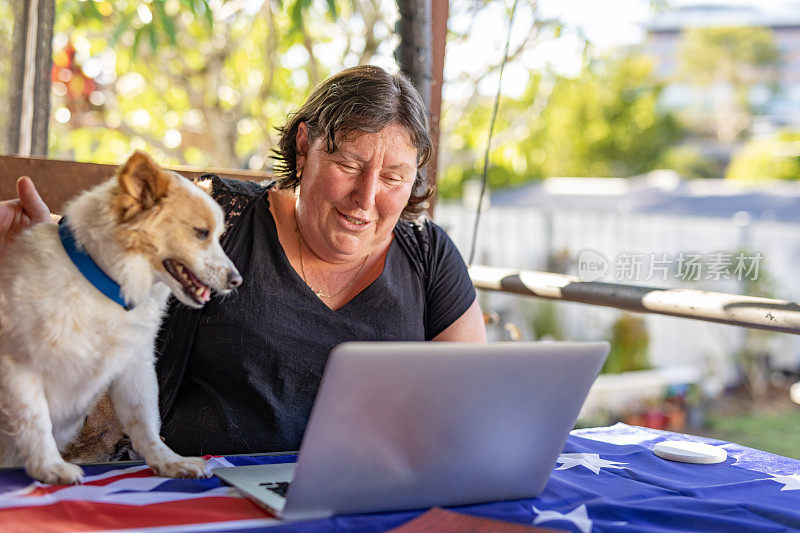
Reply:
x=201 y=233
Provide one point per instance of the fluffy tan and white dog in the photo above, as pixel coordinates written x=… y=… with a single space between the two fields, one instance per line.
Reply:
x=63 y=343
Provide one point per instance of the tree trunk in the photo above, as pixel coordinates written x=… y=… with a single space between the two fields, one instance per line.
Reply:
x=423 y=65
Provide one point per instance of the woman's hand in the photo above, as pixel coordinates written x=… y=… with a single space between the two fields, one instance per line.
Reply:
x=20 y=214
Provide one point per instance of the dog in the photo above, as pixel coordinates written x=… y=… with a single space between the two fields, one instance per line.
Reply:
x=67 y=338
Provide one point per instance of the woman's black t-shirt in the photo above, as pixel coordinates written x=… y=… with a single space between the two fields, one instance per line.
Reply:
x=240 y=375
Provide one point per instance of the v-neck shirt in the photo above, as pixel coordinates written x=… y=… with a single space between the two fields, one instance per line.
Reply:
x=244 y=378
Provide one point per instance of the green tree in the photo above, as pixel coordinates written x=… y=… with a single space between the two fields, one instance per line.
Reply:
x=197 y=82
x=732 y=61
x=774 y=158
x=604 y=122
x=689 y=162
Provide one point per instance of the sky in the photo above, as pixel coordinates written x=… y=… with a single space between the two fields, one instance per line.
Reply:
x=607 y=24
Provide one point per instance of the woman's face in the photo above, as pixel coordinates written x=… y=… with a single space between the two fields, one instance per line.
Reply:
x=350 y=201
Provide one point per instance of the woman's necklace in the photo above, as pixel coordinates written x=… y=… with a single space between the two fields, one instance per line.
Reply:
x=318 y=292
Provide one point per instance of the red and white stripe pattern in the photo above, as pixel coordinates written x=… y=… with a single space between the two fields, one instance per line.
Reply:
x=129 y=498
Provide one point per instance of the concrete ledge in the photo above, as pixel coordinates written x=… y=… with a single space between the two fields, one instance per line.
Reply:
x=626 y=391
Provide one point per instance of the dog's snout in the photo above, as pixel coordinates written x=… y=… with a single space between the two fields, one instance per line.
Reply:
x=234 y=279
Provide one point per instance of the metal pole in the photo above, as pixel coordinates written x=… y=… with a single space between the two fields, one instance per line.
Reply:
x=747 y=311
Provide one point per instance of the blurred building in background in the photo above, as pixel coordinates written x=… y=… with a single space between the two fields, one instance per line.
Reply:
x=747 y=80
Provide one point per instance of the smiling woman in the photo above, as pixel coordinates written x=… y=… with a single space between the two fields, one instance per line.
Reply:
x=347 y=208
x=329 y=254
x=350 y=200
x=333 y=251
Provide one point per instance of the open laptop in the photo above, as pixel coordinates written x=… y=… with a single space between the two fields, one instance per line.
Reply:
x=415 y=425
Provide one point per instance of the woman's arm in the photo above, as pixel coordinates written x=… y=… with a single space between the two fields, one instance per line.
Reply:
x=469 y=327
x=20 y=214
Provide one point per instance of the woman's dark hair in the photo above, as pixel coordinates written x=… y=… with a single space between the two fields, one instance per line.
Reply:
x=364 y=98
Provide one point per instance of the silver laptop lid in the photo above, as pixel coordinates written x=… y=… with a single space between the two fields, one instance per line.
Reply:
x=411 y=425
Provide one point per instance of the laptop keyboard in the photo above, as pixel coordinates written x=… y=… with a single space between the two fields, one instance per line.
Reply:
x=278 y=487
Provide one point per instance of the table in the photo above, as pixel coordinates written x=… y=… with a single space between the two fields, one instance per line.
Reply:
x=606 y=480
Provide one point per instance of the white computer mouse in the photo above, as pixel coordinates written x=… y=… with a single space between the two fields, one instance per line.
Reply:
x=690 y=452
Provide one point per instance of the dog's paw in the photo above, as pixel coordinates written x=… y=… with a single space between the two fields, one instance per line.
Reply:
x=183 y=467
x=62 y=473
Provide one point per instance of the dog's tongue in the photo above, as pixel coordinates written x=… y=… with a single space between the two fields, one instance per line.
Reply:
x=200 y=292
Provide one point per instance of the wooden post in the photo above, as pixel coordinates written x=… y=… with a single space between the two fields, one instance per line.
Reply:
x=27 y=128
x=413 y=54
x=439 y=13
x=423 y=30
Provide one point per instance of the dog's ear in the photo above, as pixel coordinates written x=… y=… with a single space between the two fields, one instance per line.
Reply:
x=143 y=183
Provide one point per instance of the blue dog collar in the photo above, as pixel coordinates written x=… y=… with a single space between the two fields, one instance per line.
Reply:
x=88 y=267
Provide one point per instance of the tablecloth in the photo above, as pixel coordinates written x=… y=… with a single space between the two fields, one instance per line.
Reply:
x=605 y=480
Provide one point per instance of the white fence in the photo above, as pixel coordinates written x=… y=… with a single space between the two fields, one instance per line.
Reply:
x=527 y=238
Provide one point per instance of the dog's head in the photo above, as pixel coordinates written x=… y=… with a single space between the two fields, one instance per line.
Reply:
x=176 y=226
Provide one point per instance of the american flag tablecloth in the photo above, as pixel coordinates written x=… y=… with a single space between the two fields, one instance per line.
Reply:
x=606 y=479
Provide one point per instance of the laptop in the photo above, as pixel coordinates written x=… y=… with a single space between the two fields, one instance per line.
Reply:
x=400 y=426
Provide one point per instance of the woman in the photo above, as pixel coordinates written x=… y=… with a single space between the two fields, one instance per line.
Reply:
x=328 y=254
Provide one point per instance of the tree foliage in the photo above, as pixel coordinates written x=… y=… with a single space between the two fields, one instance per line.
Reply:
x=729 y=61
x=690 y=162
x=774 y=158
x=194 y=81
x=152 y=22
x=604 y=122
x=733 y=54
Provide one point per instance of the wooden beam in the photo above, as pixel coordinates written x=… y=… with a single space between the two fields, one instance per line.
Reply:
x=58 y=181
